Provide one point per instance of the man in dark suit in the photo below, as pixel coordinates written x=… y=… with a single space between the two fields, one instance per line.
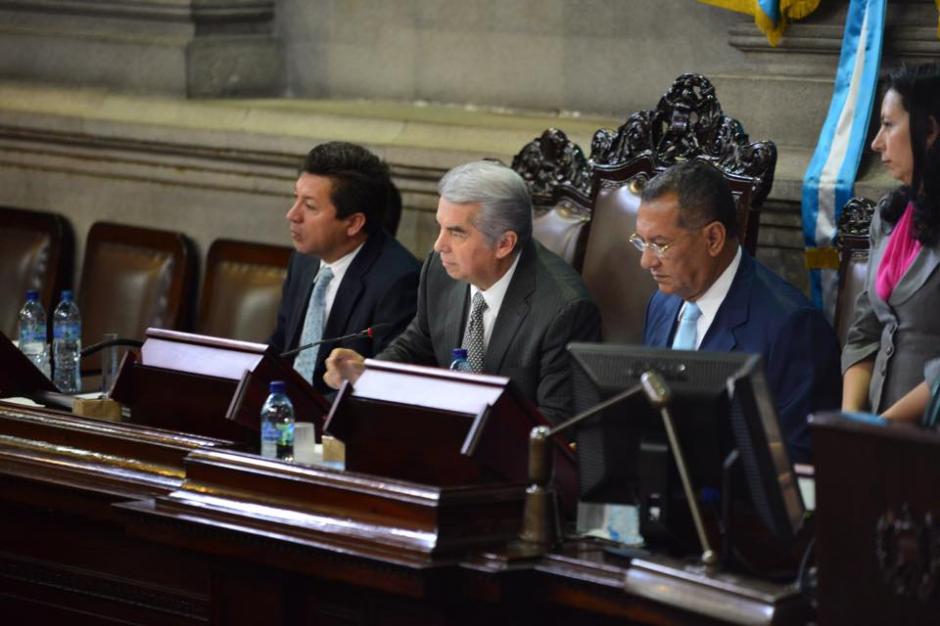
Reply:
x=490 y=288
x=714 y=296
x=346 y=274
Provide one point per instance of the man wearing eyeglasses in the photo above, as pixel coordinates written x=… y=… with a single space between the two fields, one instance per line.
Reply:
x=712 y=295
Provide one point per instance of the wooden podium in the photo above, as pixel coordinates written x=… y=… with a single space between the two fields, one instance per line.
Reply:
x=209 y=386
x=877 y=522
x=443 y=428
x=18 y=375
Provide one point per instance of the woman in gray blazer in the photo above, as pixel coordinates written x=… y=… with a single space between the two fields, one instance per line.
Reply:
x=896 y=329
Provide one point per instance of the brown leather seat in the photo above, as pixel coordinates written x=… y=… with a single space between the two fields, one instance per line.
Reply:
x=853 y=244
x=559 y=179
x=686 y=124
x=133 y=278
x=36 y=252
x=242 y=289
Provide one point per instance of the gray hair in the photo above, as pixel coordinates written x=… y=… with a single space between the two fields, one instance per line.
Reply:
x=503 y=197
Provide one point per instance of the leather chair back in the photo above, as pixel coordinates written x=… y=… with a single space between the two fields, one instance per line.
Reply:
x=36 y=252
x=559 y=180
x=853 y=245
x=242 y=289
x=686 y=124
x=133 y=278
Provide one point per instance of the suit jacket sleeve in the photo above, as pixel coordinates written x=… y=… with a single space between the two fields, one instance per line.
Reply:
x=803 y=373
x=396 y=308
x=278 y=338
x=413 y=345
x=864 y=336
x=578 y=321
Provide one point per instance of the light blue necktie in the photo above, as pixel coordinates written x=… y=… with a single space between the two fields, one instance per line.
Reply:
x=687 y=332
x=313 y=324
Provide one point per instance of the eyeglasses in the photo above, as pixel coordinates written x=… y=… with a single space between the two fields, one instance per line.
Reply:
x=659 y=249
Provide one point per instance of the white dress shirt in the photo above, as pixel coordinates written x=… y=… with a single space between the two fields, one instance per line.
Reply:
x=494 y=300
x=711 y=300
x=338 y=267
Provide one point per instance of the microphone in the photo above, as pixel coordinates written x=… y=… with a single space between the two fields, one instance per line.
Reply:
x=101 y=345
x=366 y=332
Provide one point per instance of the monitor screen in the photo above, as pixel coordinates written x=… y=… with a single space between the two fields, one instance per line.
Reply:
x=719 y=403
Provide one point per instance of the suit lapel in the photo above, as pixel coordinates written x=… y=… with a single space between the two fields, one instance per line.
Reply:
x=916 y=275
x=513 y=311
x=660 y=334
x=733 y=312
x=455 y=301
x=351 y=288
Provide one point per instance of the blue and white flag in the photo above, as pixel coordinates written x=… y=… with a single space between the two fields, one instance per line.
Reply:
x=830 y=178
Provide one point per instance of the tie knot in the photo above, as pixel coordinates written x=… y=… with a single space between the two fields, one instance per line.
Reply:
x=479 y=303
x=691 y=312
x=325 y=274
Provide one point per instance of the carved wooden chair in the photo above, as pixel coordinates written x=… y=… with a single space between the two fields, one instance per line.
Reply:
x=559 y=179
x=688 y=123
x=37 y=251
x=133 y=278
x=242 y=289
x=853 y=245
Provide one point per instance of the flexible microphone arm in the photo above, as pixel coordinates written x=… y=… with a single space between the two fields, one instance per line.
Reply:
x=101 y=345
x=366 y=332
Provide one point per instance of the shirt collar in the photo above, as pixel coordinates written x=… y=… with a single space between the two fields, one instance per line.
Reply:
x=340 y=265
x=711 y=300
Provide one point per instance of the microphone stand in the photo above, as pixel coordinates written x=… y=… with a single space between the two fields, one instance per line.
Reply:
x=540 y=525
x=367 y=332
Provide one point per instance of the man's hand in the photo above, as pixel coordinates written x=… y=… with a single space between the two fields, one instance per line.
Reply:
x=343 y=364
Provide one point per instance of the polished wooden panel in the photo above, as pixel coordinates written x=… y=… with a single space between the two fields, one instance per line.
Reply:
x=209 y=386
x=852 y=242
x=107 y=523
x=65 y=554
x=877 y=502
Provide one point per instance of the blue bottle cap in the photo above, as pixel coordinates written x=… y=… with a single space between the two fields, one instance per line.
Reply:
x=32 y=294
x=66 y=295
x=459 y=354
x=277 y=386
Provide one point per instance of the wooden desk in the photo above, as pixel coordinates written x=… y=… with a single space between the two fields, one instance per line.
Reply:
x=121 y=522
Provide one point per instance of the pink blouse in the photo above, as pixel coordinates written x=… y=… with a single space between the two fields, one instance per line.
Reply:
x=898 y=256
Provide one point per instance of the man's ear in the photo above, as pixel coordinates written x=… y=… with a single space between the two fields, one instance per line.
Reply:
x=355 y=224
x=715 y=236
x=506 y=244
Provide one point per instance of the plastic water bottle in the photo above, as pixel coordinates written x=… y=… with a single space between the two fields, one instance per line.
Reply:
x=277 y=424
x=33 y=333
x=460 y=362
x=67 y=344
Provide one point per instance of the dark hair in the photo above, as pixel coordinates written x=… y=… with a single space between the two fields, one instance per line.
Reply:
x=704 y=194
x=360 y=180
x=919 y=88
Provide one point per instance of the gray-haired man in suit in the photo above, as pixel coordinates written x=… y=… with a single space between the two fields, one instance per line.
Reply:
x=489 y=287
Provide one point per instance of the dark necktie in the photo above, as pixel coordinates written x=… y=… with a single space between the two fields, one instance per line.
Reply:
x=473 y=339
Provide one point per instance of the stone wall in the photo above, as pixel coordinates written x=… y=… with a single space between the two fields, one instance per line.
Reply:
x=136 y=111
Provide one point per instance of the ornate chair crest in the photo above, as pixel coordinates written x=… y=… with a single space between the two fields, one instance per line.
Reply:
x=559 y=178
x=852 y=243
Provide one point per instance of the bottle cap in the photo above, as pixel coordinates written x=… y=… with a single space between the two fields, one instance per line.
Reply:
x=66 y=295
x=459 y=354
x=32 y=294
x=277 y=386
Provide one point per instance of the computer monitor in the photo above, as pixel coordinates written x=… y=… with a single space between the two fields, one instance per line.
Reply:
x=720 y=403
